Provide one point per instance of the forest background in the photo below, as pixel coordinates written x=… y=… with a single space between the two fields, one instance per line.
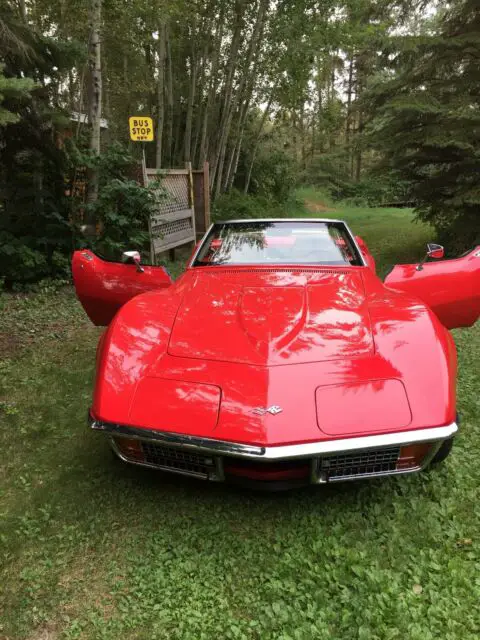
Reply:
x=372 y=101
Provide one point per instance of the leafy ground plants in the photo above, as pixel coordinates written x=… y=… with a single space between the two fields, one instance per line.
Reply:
x=90 y=548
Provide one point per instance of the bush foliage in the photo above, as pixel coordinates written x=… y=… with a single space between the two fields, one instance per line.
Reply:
x=123 y=207
x=39 y=234
x=235 y=204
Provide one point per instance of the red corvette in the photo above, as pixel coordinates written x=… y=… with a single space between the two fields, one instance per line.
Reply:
x=279 y=357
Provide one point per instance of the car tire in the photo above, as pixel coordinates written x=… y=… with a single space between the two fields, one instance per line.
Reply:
x=443 y=452
x=115 y=456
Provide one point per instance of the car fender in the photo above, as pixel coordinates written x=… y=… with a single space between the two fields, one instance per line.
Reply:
x=137 y=336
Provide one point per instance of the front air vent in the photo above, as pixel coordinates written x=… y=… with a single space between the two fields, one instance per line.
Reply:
x=170 y=459
x=345 y=466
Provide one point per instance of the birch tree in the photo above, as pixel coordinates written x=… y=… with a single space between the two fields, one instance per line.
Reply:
x=162 y=36
x=95 y=90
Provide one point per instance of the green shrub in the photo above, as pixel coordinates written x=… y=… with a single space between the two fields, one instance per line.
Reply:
x=328 y=171
x=235 y=204
x=123 y=206
x=19 y=262
x=274 y=175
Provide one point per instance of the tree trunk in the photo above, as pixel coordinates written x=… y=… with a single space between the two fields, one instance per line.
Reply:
x=358 y=165
x=177 y=142
x=71 y=91
x=235 y=152
x=352 y=155
x=331 y=142
x=190 y=106
x=160 y=92
x=231 y=105
x=95 y=92
x=318 y=121
x=349 y=100
x=358 y=154
x=23 y=10
x=244 y=100
x=211 y=89
x=128 y=109
x=257 y=140
x=169 y=100
x=106 y=101
x=201 y=82
x=303 y=150
x=219 y=157
x=235 y=157
x=332 y=80
x=294 y=134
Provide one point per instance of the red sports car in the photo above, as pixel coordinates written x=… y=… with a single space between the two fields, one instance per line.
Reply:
x=278 y=358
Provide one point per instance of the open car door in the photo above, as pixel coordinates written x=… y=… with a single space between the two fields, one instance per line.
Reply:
x=103 y=287
x=451 y=288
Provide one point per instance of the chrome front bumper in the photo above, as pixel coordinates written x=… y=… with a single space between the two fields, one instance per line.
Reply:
x=204 y=457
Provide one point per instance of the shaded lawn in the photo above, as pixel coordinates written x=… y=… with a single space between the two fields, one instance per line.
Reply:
x=90 y=548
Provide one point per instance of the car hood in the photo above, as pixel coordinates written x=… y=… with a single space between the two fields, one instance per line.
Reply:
x=205 y=357
x=273 y=317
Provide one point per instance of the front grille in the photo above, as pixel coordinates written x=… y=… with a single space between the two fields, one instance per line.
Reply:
x=177 y=459
x=358 y=464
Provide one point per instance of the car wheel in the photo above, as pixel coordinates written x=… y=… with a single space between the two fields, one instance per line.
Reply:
x=115 y=456
x=443 y=452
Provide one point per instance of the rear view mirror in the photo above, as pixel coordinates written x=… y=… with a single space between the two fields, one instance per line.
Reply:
x=132 y=257
x=434 y=251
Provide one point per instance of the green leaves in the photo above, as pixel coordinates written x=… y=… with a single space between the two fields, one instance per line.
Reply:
x=16 y=88
x=123 y=206
x=427 y=124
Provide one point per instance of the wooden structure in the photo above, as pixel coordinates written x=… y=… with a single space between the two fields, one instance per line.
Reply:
x=201 y=199
x=183 y=207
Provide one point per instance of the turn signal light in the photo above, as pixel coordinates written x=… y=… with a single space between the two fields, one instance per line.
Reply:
x=130 y=448
x=413 y=455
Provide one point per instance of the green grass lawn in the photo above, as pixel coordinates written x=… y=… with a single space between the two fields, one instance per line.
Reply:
x=391 y=234
x=91 y=548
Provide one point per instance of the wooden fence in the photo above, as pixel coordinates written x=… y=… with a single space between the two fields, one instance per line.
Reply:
x=183 y=213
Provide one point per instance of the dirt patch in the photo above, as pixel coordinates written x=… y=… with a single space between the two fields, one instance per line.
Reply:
x=8 y=344
x=44 y=634
x=317 y=207
x=26 y=320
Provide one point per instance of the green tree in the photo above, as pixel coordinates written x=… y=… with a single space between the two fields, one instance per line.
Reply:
x=34 y=224
x=14 y=40
x=14 y=91
x=427 y=123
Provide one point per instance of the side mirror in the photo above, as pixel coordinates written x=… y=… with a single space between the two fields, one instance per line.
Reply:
x=133 y=257
x=434 y=251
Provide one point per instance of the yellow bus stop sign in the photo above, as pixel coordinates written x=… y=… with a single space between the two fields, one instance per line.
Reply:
x=141 y=128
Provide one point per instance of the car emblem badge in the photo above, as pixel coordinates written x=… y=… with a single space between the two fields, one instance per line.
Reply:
x=261 y=411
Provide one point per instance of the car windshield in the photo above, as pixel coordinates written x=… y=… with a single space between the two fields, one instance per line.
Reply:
x=278 y=242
